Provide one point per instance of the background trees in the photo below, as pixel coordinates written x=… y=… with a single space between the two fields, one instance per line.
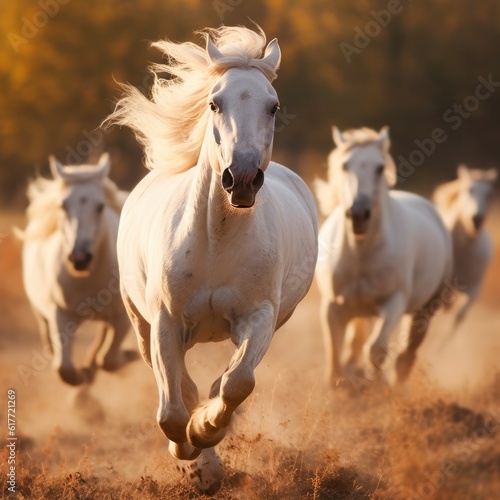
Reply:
x=349 y=62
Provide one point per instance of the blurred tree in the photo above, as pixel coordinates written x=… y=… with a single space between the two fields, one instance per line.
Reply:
x=406 y=64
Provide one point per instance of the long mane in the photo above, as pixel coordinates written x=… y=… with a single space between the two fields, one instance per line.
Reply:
x=172 y=125
x=446 y=194
x=45 y=201
x=327 y=192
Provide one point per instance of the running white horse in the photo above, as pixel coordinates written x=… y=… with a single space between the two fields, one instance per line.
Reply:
x=384 y=254
x=216 y=242
x=463 y=204
x=70 y=269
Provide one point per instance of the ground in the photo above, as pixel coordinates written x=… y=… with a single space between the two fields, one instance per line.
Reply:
x=437 y=437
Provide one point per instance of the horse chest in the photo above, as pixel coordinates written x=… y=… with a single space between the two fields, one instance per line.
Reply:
x=204 y=291
x=365 y=284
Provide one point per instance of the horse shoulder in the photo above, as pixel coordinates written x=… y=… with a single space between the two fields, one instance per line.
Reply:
x=290 y=179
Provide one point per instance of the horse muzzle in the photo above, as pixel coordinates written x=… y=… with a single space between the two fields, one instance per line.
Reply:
x=360 y=214
x=80 y=259
x=478 y=220
x=242 y=189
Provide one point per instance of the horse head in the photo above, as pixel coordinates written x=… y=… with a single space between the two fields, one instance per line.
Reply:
x=364 y=166
x=476 y=191
x=83 y=200
x=243 y=106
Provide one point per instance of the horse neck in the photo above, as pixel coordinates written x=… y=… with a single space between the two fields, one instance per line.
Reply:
x=453 y=220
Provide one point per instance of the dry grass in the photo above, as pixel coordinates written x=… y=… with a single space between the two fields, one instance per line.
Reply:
x=438 y=438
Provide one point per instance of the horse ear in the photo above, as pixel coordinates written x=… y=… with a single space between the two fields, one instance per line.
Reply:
x=383 y=135
x=338 y=138
x=103 y=165
x=272 y=54
x=492 y=174
x=213 y=52
x=462 y=171
x=56 y=168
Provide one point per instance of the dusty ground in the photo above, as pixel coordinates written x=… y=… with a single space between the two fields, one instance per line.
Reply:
x=439 y=437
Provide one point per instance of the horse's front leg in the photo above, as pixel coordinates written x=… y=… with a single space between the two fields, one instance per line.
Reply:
x=334 y=321
x=252 y=335
x=390 y=313
x=62 y=330
x=175 y=388
x=469 y=297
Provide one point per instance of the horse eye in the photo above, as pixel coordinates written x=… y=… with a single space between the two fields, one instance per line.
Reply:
x=64 y=206
x=379 y=170
x=213 y=107
x=344 y=167
x=275 y=109
x=100 y=208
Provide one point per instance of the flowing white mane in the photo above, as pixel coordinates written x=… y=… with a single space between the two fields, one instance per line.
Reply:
x=171 y=126
x=45 y=201
x=327 y=192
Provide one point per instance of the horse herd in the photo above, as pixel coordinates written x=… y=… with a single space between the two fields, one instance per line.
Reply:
x=218 y=242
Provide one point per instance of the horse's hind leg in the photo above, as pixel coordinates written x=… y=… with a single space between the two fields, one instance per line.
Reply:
x=418 y=331
x=252 y=336
x=141 y=326
x=114 y=357
x=470 y=296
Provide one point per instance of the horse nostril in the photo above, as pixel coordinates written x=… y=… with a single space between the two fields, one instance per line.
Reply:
x=80 y=260
x=227 y=179
x=477 y=220
x=258 y=180
x=367 y=214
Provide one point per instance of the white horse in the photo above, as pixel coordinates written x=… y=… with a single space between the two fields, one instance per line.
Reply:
x=216 y=242
x=463 y=204
x=70 y=269
x=384 y=254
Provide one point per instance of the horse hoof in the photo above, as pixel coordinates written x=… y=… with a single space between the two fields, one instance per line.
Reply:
x=89 y=373
x=204 y=435
x=404 y=364
x=123 y=358
x=205 y=474
x=71 y=376
x=183 y=451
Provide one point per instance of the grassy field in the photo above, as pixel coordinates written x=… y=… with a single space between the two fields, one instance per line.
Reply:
x=438 y=437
